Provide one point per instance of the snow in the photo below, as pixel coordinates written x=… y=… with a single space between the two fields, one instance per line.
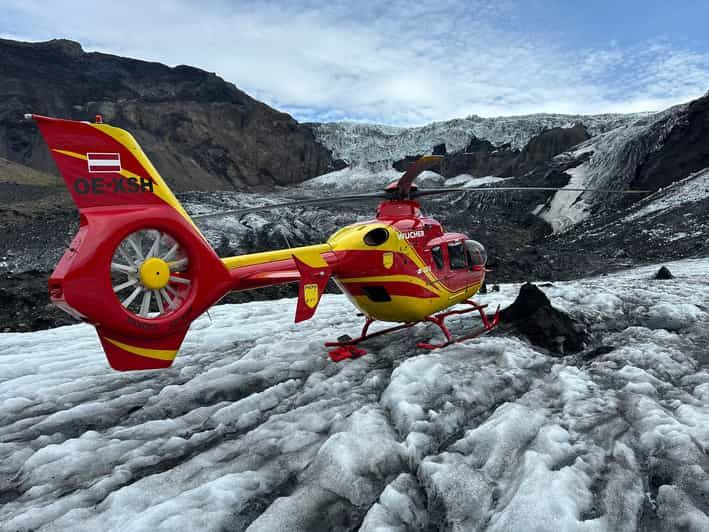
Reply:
x=352 y=178
x=565 y=208
x=363 y=179
x=466 y=180
x=255 y=428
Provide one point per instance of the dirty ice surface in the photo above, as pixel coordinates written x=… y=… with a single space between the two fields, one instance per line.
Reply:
x=255 y=428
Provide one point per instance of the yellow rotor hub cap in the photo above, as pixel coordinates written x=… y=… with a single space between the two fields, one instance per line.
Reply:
x=154 y=273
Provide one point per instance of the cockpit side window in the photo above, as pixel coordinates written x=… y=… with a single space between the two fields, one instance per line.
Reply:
x=456 y=256
x=437 y=255
x=477 y=256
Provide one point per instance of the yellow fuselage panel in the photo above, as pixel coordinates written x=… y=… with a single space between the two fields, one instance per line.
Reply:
x=405 y=308
x=387 y=271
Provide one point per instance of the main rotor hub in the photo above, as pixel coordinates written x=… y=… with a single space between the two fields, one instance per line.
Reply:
x=154 y=273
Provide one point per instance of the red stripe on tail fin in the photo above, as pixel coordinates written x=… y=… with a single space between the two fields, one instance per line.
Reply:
x=82 y=151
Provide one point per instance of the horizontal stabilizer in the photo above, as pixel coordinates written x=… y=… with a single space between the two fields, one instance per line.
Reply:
x=312 y=286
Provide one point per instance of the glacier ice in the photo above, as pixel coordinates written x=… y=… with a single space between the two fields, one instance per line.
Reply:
x=254 y=428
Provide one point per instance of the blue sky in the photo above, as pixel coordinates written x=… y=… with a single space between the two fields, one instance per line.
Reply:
x=405 y=63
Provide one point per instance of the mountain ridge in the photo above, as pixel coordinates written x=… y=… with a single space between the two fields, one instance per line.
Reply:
x=201 y=131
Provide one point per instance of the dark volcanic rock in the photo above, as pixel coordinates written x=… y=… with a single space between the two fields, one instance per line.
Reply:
x=545 y=326
x=680 y=151
x=548 y=144
x=201 y=132
x=596 y=352
x=24 y=303
x=481 y=157
x=664 y=273
x=403 y=164
x=440 y=149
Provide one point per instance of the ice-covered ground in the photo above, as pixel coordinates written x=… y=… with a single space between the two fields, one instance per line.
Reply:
x=255 y=427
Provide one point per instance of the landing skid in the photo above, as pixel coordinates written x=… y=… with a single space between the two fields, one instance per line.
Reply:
x=345 y=346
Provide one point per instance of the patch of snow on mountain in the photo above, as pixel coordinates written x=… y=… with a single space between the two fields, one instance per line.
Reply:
x=566 y=207
x=255 y=428
x=352 y=178
x=466 y=180
x=363 y=179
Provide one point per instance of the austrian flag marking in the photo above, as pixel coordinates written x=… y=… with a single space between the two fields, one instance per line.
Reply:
x=103 y=162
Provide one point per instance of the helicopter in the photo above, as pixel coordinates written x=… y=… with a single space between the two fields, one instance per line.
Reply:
x=140 y=270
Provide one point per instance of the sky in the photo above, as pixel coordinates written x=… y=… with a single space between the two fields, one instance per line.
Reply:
x=405 y=63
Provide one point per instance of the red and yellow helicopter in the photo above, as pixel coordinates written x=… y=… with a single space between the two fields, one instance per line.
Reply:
x=140 y=270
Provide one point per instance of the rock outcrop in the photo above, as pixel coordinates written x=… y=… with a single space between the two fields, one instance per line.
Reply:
x=681 y=147
x=533 y=315
x=482 y=158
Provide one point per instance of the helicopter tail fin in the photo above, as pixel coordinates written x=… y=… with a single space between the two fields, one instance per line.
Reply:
x=103 y=165
x=138 y=269
x=128 y=353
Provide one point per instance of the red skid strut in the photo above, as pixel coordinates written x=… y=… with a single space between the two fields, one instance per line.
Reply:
x=346 y=348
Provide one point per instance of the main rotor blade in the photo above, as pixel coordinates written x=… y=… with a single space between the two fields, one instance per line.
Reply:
x=433 y=191
x=294 y=203
x=403 y=185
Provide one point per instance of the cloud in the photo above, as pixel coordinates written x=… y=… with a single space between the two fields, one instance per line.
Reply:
x=398 y=63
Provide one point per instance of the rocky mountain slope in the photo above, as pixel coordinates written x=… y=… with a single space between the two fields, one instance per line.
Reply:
x=482 y=158
x=200 y=131
x=650 y=153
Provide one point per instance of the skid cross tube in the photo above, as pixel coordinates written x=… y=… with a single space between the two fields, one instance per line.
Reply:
x=437 y=319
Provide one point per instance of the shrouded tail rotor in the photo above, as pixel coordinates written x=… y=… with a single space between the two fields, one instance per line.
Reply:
x=150 y=274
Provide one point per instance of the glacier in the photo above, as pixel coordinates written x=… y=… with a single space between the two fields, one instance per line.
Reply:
x=254 y=428
x=376 y=146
